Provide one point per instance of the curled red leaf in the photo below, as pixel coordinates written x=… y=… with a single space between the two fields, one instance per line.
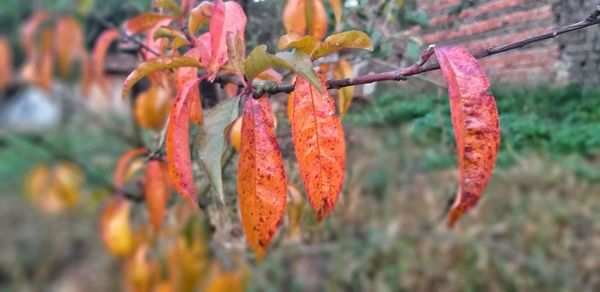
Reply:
x=476 y=125
x=177 y=144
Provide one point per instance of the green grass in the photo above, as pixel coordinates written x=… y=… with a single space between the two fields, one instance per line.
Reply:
x=561 y=123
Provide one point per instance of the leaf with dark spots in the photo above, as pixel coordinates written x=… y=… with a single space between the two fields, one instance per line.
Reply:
x=319 y=143
x=476 y=125
x=261 y=176
x=177 y=143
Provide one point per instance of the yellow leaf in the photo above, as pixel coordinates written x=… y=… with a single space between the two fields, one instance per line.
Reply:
x=177 y=37
x=305 y=44
x=295 y=209
x=155 y=65
x=54 y=190
x=115 y=227
x=345 y=94
x=199 y=16
x=349 y=39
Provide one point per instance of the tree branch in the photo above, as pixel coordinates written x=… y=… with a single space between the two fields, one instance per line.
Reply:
x=419 y=67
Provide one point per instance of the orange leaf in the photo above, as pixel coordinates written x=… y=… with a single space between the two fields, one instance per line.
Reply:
x=152 y=107
x=227 y=17
x=179 y=160
x=143 y=22
x=69 y=44
x=294 y=19
x=316 y=18
x=99 y=55
x=227 y=280
x=5 y=64
x=319 y=143
x=115 y=228
x=261 y=176
x=305 y=17
x=476 y=126
x=120 y=174
x=235 y=134
x=156 y=191
x=336 y=5
x=345 y=94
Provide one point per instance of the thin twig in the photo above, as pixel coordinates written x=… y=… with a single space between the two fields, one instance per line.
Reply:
x=124 y=33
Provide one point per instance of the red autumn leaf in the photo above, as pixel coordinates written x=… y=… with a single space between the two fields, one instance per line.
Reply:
x=475 y=122
x=179 y=161
x=261 y=176
x=203 y=43
x=123 y=163
x=184 y=74
x=99 y=54
x=143 y=22
x=227 y=17
x=156 y=191
x=319 y=143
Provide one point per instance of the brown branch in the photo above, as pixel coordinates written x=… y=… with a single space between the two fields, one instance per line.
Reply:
x=419 y=67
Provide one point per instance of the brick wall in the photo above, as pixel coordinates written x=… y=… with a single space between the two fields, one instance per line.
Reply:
x=572 y=58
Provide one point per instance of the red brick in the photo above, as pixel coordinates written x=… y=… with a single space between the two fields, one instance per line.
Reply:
x=475 y=11
x=540 y=13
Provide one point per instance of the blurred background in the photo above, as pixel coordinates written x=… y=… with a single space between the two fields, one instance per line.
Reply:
x=536 y=228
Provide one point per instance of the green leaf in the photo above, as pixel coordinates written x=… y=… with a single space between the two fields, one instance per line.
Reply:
x=345 y=40
x=155 y=65
x=259 y=60
x=211 y=143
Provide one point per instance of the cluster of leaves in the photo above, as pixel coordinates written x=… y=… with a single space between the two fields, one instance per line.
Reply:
x=221 y=51
x=185 y=45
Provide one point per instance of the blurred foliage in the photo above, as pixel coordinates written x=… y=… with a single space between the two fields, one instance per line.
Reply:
x=556 y=121
x=13 y=14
